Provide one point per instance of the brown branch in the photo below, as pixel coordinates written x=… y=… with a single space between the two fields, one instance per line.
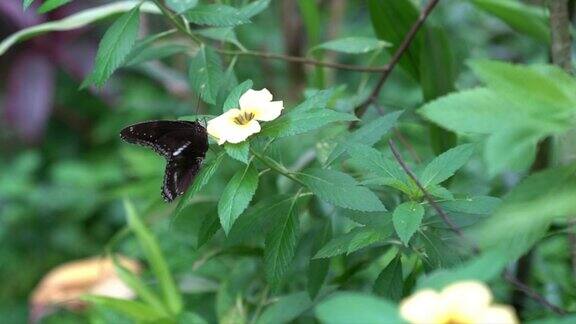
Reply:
x=361 y=109
x=520 y=286
x=560 y=33
x=431 y=200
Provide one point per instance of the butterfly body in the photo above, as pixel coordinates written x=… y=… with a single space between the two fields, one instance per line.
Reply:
x=182 y=143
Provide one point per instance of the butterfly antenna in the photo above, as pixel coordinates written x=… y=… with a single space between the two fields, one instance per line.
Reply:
x=197 y=106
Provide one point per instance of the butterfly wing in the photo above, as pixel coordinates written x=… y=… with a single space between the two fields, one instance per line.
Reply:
x=182 y=143
x=180 y=173
x=167 y=137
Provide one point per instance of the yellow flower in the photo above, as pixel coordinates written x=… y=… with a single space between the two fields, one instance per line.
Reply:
x=460 y=303
x=236 y=125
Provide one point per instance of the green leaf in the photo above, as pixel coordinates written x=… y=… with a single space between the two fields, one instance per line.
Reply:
x=280 y=244
x=528 y=85
x=358 y=238
x=181 y=6
x=484 y=111
x=133 y=309
x=141 y=290
x=50 y=5
x=407 y=218
x=347 y=307
x=240 y=151
x=528 y=210
x=526 y=19
x=222 y=34
x=151 y=249
x=206 y=74
x=26 y=4
x=437 y=64
x=390 y=173
x=512 y=149
x=318 y=268
x=353 y=45
x=232 y=101
x=391 y=21
x=479 y=205
x=237 y=195
x=445 y=165
x=286 y=309
x=74 y=21
x=368 y=134
x=297 y=123
x=206 y=172
x=341 y=190
x=317 y=101
x=390 y=283
x=216 y=15
x=191 y=318
x=486 y=267
x=155 y=52
x=114 y=47
x=253 y=8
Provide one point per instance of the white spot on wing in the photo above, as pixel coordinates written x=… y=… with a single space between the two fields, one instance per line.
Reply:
x=181 y=148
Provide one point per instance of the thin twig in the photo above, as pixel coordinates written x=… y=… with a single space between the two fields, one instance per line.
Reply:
x=532 y=294
x=361 y=109
x=429 y=198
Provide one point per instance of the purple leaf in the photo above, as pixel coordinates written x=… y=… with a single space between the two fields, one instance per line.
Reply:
x=29 y=98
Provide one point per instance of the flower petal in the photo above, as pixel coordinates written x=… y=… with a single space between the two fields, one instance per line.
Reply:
x=466 y=300
x=225 y=129
x=261 y=105
x=422 y=307
x=500 y=314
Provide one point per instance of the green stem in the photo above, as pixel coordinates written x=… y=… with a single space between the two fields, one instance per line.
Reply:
x=274 y=165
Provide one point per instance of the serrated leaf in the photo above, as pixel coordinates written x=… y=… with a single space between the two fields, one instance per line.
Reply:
x=280 y=244
x=206 y=74
x=232 y=101
x=181 y=6
x=390 y=283
x=353 y=45
x=407 y=218
x=479 y=205
x=389 y=172
x=391 y=21
x=340 y=189
x=257 y=217
x=206 y=172
x=50 y=5
x=154 y=52
x=348 y=307
x=526 y=19
x=297 y=123
x=527 y=84
x=358 y=238
x=445 y=165
x=318 y=268
x=368 y=134
x=240 y=151
x=253 y=8
x=216 y=15
x=237 y=195
x=154 y=256
x=223 y=34
x=512 y=149
x=114 y=47
x=317 y=101
x=286 y=309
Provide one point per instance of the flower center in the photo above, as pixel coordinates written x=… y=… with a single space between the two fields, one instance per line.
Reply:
x=243 y=118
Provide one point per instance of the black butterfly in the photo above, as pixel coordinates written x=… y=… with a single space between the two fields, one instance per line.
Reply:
x=182 y=143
